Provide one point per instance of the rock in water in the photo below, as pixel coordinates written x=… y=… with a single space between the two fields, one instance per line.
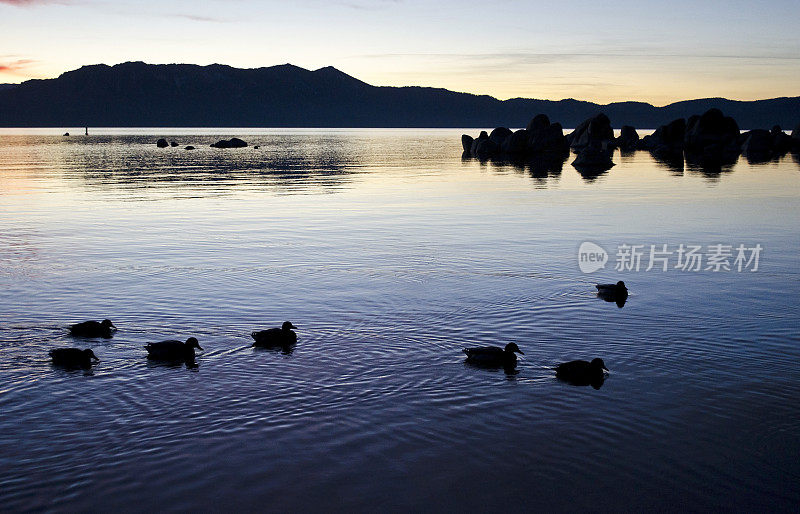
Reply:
x=499 y=135
x=757 y=146
x=667 y=140
x=516 y=143
x=162 y=143
x=711 y=139
x=595 y=131
x=466 y=143
x=781 y=141
x=539 y=122
x=234 y=142
x=628 y=138
x=548 y=140
x=796 y=139
x=485 y=148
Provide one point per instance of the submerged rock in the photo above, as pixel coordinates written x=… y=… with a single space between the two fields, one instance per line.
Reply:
x=190 y=147
x=173 y=144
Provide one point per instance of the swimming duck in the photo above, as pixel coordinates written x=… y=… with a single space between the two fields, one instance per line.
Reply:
x=582 y=372
x=93 y=329
x=172 y=350
x=73 y=357
x=614 y=291
x=283 y=336
x=493 y=355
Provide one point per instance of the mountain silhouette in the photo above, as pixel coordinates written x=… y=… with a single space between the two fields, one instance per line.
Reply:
x=135 y=94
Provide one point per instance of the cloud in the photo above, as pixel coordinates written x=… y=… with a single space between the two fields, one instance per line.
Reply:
x=194 y=17
x=25 y=3
x=15 y=67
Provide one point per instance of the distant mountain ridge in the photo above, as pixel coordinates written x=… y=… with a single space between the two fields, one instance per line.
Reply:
x=135 y=94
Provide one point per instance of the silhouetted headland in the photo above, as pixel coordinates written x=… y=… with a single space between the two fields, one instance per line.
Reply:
x=135 y=94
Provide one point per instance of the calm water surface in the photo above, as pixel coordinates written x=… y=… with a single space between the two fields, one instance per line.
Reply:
x=391 y=254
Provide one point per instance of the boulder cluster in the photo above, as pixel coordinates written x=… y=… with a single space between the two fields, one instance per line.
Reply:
x=540 y=137
x=710 y=139
x=714 y=139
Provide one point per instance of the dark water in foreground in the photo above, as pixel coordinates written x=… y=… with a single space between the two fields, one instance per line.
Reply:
x=390 y=254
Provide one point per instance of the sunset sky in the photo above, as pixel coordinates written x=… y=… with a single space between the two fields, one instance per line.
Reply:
x=658 y=52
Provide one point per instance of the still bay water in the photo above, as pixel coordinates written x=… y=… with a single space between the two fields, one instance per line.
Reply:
x=390 y=253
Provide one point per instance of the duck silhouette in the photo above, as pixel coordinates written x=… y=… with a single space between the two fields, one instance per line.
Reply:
x=493 y=355
x=173 y=350
x=582 y=372
x=616 y=293
x=283 y=336
x=73 y=357
x=93 y=329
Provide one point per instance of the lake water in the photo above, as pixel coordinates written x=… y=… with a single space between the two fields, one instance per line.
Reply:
x=390 y=253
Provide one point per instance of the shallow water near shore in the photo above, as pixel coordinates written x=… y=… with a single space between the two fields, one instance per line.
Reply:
x=390 y=253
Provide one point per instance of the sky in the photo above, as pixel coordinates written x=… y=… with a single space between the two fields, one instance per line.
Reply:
x=656 y=52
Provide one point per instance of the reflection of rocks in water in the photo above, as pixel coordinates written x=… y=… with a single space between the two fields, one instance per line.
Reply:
x=626 y=156
x=712 y=158
x=591 y=173
x=796 y=157
x=671 y=160
x=711 y=170
x=593 y=161
x=543 y=168
x=133 y=163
